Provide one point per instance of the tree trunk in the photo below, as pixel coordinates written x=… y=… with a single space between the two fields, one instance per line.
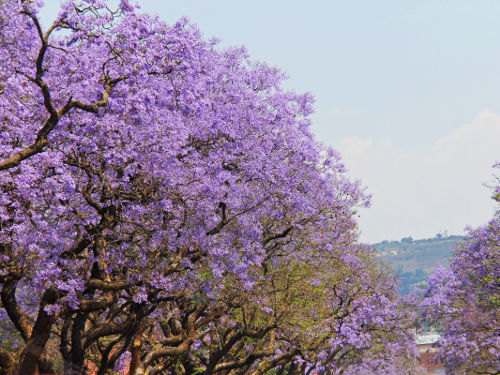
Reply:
x=135 y=352
x=46 y=363
x=7 y=362
x=77 y=352
x=32 y=352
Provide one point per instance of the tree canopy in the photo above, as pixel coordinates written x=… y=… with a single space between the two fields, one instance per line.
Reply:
x=463 y=300
x=163 y=200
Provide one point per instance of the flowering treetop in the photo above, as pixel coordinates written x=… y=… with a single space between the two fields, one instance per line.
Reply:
x=133 y=155
x=463 y=300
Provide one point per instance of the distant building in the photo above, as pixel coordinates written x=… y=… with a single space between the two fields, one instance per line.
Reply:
x=421 y=285
x=430 y=359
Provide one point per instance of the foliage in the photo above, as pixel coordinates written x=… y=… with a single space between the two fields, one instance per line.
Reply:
x=161 y=199
x=336 y=318
x=415 y=260
x=463 y=300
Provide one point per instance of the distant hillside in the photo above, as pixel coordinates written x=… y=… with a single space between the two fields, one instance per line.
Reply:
x=415 y=260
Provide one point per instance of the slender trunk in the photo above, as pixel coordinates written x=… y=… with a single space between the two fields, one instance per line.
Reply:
x=135 y=352
x=64 y=347
x=77 y=352
x=301 y=368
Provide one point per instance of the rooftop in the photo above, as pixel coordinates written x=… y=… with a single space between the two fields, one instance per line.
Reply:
x=427 y=338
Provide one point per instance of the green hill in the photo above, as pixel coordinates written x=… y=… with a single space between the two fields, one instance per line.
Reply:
x=415 y=260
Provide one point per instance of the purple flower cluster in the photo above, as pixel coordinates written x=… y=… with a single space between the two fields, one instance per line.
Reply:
x=144 y=173
x=463 y=300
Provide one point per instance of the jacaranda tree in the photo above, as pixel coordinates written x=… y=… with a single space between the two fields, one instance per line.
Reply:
x=140 y=165
x=464 y=302
x=339 y=317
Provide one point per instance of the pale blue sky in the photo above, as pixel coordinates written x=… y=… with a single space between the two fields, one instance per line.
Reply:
x=403 y=75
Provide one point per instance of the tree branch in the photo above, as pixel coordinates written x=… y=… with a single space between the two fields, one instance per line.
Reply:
x=16 y=314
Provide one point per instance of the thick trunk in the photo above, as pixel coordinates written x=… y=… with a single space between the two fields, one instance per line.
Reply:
x=35 y=345
x=7 y=362
x=71 y=368
x=32 y=352
x=46 y=364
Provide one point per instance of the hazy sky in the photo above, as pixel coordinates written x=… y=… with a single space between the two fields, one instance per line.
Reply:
x=408 y=91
